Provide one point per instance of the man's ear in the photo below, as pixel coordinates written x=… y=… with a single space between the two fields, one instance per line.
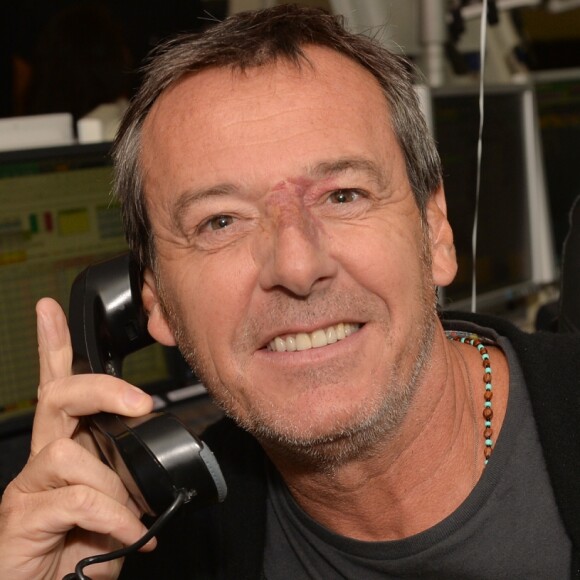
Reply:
x=444 y=261
x=157 y=323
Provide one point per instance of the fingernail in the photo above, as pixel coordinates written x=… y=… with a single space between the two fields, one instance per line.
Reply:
x=134 y=397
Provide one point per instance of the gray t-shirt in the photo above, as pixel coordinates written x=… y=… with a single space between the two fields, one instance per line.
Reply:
x=507 y=528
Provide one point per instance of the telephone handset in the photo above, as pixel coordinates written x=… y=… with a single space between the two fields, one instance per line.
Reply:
x=156 y=456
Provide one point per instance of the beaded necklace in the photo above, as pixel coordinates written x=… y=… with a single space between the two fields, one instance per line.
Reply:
x=475 y=341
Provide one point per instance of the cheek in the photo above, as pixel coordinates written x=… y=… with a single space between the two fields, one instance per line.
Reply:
x=214 y=297
x=385 y=257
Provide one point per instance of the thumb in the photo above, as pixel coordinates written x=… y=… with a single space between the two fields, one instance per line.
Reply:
x=54 y=346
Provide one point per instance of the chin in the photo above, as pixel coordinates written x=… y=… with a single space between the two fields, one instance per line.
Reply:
x=333 y=436
x=326 y=452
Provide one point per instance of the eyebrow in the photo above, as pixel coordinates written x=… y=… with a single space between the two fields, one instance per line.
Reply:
x=323 y=169
x=192 y=196
x=344 y=165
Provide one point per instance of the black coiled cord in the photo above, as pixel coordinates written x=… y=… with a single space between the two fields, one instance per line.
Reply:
x=78 y=574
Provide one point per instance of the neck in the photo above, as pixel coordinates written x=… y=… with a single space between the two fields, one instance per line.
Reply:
x=418 y=476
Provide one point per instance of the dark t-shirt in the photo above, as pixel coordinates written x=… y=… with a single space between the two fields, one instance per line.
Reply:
x=507 y=528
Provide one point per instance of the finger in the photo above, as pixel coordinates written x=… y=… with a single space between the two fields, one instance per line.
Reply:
x=82 y=395
x=54 y=346
x=50 y=514
x=65 y=462
x=62 y=402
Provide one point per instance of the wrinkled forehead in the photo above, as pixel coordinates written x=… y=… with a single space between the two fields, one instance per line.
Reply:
x=334 y=77
x=268 y=123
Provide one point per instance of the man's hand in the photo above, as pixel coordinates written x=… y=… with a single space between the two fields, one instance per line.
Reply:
x=66 y=504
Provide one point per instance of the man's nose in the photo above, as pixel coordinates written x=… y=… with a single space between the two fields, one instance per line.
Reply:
x=295 y=255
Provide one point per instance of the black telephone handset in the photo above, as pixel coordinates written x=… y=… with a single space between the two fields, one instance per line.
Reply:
x=156 y=456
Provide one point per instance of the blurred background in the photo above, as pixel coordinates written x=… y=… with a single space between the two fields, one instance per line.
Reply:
x=72 y=55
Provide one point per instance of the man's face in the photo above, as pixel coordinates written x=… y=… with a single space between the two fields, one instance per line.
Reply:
x=283 y=220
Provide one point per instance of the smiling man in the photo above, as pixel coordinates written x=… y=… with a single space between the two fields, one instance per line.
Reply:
x=284 y=197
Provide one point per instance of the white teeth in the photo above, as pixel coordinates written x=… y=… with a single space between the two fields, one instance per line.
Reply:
x=303 y=341
x=331 y=335
x=316 y=339
x=290 y=344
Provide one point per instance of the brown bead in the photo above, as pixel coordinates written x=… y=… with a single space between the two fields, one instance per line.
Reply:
x=488 y=413
x=488 y=395
x=487 y=452
x=487 y=433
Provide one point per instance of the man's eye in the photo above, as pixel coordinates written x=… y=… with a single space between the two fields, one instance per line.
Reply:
x=344 y=196
x=219 y=222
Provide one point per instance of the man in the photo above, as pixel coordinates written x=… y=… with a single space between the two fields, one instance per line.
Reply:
x=282 y=192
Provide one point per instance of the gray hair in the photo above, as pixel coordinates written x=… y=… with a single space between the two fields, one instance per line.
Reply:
x=254 y=39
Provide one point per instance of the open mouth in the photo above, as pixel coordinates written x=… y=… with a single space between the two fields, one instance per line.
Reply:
x=318 y=338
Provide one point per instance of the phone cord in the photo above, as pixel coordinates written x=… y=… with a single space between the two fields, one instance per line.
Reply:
x=78 y=574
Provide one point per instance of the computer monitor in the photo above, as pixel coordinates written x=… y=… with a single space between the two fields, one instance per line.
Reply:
x=514 y=244
x=56 y=217
x=558 y=96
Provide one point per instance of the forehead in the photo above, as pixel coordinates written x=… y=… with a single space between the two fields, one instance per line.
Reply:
x=266 y=123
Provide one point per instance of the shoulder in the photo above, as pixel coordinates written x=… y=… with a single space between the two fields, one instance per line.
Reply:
x=541 y=350
x=551 y=366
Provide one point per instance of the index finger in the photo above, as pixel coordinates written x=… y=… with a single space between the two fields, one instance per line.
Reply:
x=62 y=398
x=54 y=345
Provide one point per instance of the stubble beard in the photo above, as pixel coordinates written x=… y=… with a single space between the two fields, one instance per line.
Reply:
x=370 y=430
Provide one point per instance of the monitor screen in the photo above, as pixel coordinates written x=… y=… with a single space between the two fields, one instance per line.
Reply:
x=558 y=95
x=56 y=217
x=514 y=246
